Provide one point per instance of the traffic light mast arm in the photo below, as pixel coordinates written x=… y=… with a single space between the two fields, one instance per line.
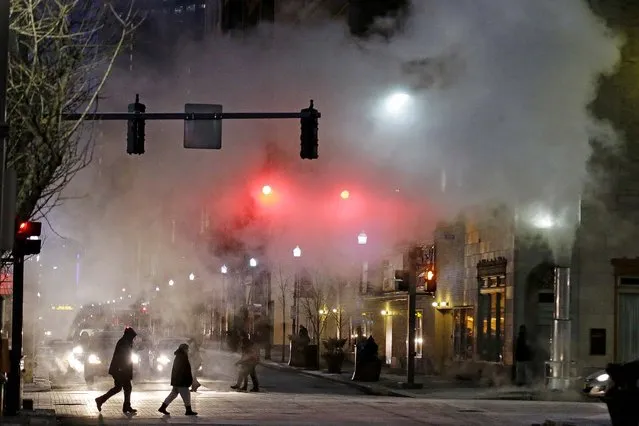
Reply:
x=115 y=116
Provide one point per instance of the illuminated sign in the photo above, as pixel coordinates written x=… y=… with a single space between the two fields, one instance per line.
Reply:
x=62 y=308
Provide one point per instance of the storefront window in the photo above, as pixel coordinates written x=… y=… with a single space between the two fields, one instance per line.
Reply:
x=492 y=326
x=419 y=338
x=464 y=336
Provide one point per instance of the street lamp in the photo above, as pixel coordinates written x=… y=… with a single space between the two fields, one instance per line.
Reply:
x=362 y=238
x=224 y=269
x=123 y=290
x=396 y=102
x=267 y=190
x=345 y=194
x=191 y=276
x=171 y=282
x=297 y=251
x=157 y=288
x=253 y=262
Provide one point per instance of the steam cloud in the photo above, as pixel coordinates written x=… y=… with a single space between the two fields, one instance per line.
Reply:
x=499 y=93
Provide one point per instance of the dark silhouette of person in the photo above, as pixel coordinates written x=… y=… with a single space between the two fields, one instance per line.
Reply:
x=181 y=380
x=369 y=350
x=121 y=369
x=248 y=362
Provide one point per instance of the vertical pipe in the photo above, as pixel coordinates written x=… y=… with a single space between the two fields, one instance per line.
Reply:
x=560 y=350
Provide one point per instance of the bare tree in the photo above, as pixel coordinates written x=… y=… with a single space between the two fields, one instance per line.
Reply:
x=313 y=299
x=284 y=288
x=61 y=54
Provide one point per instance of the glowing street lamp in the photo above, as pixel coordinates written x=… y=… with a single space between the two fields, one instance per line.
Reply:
x=253 y=262
x=345 y=194
x=267 y=190
x=191 y=276
x=397 y=102
x=297 y=251
x=123 y=290
x=157 y=288
x=362 y=238
x=171 y=282
x=224 y=269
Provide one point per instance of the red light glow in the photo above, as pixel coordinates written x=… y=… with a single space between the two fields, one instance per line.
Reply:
x=23 y=226
x=429 y=275
x=345 y=194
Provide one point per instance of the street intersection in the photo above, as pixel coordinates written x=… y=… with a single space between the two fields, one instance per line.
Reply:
x=290 y=398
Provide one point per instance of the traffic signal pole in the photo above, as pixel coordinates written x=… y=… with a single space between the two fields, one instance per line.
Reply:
x=137 y=117
x=12 y=406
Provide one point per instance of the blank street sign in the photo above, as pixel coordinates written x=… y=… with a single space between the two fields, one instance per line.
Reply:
x=203 y=134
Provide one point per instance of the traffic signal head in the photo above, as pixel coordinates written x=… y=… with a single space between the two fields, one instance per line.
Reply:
x=309 y=131
x=135 y=129
x=27 y=241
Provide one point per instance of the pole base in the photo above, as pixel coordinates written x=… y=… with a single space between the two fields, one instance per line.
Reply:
x=406 y=385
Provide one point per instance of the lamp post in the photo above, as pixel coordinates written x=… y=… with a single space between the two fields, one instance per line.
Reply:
x=362 y=239
x=297 y=253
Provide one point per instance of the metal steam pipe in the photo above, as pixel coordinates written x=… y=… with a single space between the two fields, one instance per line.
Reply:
x=560 y=350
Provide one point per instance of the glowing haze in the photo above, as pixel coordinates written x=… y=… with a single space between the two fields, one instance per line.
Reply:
x=489 y=103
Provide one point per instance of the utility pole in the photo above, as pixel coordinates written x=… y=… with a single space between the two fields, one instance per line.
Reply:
x=412 y=295
x=6 y=230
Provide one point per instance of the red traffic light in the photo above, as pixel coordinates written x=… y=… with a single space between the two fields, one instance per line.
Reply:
x=28 y=229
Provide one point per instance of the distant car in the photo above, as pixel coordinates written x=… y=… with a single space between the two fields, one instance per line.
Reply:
x=97 y=357
x=162 y=355
x=596 y=385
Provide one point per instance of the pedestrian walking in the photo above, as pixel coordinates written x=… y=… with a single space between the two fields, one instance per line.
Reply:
x=181 y=380
x=522 y=358
x=121 y=369
x=248 y=362
x=195 y=358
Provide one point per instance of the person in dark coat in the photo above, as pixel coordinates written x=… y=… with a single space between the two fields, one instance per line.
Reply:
x=181 y=380
x=121 y=369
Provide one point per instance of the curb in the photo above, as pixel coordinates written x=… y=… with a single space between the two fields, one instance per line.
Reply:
x=375 y=390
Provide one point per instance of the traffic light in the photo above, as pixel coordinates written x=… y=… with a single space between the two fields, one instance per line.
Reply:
x=430 y=283
x=27 y=241
x=309 y=139
x=135 y=129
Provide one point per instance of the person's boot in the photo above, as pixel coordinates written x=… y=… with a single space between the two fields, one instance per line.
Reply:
x=162 y=409
x=235 y=386
x=255 y=389
x=126 y=409
x=98 y=403
x=190 y=412
x=195 y=387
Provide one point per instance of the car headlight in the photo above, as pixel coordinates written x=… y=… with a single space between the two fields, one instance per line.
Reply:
x=135 y=358
x=78 y=350
x=163 y=359
x=94 y=359
x=602 y=377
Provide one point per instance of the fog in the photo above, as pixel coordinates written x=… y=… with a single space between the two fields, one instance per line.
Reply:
x=497 y=111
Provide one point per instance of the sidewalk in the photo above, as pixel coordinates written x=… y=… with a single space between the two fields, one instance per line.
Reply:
x=433 y=387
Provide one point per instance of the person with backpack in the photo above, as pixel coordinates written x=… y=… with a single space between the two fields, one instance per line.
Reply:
x=181 y=380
